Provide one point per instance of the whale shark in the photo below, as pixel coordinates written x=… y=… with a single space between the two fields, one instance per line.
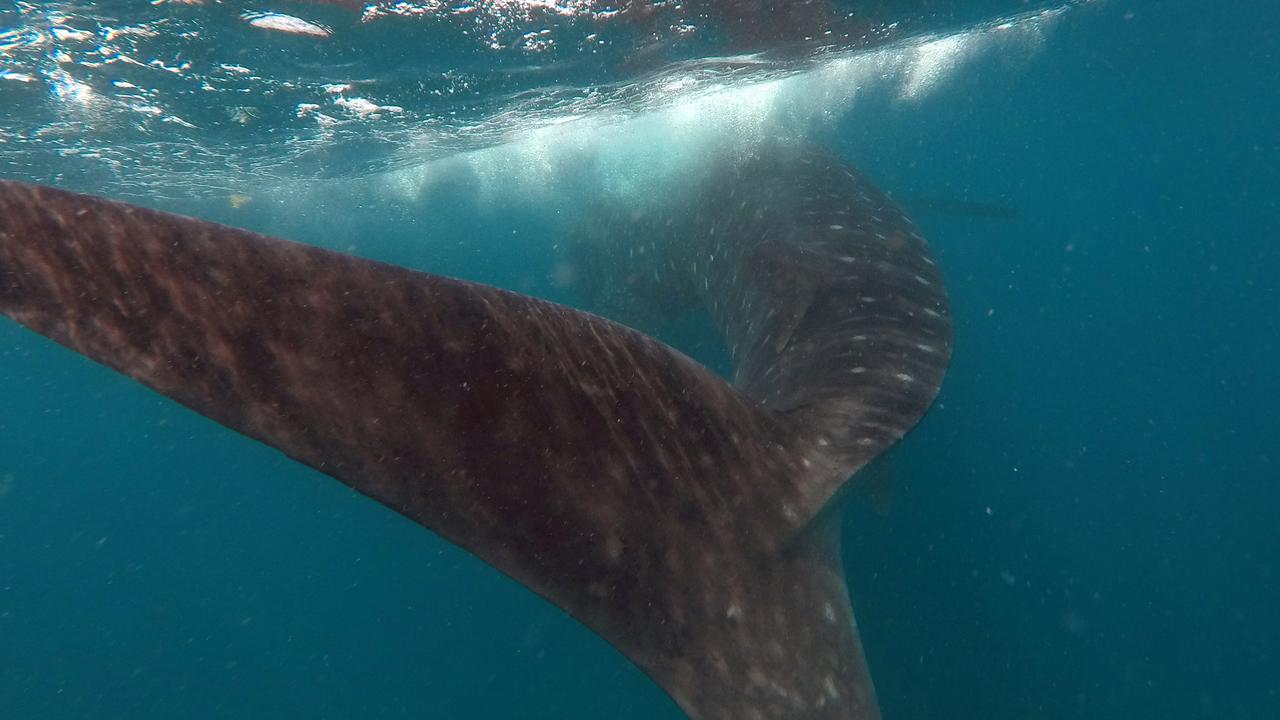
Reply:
x=692 y=521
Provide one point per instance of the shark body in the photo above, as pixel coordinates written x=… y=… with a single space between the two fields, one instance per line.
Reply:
x=687 y=520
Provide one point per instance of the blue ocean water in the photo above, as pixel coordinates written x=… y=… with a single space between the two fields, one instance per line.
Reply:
x=1084 y=526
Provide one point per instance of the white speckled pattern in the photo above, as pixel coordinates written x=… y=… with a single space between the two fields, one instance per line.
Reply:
x=665 y=509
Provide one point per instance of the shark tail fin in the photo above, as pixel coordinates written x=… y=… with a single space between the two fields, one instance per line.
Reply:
x=827 y=297
x=612 y=475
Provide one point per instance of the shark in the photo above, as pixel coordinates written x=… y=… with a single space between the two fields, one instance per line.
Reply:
x=692 y=520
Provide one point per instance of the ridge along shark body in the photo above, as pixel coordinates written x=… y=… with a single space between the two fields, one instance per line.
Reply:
x=687 y=521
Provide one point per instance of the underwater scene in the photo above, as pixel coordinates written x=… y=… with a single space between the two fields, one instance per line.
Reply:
x=650 y=342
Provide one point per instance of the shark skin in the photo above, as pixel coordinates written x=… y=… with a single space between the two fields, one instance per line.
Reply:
x=687 y=521
x=827 y=296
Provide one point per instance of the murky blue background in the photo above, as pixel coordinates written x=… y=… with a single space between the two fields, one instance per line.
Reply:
x=1085 y=525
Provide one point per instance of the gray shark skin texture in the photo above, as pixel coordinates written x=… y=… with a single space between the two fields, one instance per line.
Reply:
x=685 y=520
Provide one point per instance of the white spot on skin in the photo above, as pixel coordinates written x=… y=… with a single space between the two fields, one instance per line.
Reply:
x=837 y=227
x=830 y=685
x=734 y=612
x=858 y=370
x=613 y=548
x=829 y=612
x=905 y=377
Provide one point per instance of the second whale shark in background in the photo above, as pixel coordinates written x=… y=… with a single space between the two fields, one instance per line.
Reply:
x=692 y=522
